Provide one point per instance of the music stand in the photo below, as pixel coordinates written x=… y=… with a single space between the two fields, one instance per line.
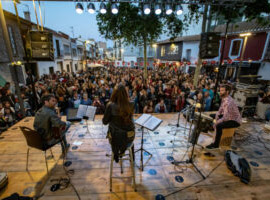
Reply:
x=151 y=123
x=87 y=128
x=141 y=149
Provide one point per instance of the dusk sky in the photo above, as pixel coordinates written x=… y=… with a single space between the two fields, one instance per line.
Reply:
x=61 y=16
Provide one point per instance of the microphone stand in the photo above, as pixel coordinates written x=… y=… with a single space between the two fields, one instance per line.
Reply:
x=178 y=123
x=191 y=158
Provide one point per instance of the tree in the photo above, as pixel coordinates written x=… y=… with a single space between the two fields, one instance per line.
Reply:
x=131 y=25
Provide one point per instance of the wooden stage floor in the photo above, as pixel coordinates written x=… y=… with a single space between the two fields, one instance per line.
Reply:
x=91 y=165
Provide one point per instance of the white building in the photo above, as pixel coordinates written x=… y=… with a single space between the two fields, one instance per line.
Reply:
x=190 y=52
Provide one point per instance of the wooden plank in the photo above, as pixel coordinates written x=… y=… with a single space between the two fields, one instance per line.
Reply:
x=160 y=176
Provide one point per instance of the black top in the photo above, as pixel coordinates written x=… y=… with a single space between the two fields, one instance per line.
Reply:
x=115 y=121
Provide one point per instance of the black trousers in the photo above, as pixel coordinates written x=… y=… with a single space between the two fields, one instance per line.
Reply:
x=221 y=126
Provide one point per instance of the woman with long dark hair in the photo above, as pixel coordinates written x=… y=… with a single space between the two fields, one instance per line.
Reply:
x=118 y=115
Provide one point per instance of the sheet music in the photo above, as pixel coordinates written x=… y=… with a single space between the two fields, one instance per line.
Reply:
x=90 y=112
x=148 y=121
x=81 y=111
x=152 y=123
x=142 y=119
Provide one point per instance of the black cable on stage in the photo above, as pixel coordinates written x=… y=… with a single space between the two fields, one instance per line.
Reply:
x=261 y=141
x=68 y=173
x=195 y=182
x=244 y=139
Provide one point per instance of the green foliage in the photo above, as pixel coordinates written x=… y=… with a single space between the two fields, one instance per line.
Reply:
x=251 y=11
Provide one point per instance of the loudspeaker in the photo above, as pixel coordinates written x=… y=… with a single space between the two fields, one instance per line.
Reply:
x=209 y=46
x=41 y=43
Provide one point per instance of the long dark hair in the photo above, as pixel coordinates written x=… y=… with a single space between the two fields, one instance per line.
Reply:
x=120 y=98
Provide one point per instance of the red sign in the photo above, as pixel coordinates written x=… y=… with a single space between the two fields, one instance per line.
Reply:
x=188 y=63
x=136 y=63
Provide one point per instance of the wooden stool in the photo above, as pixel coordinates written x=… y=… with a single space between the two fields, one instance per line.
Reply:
x=121 y=158
x=226 y=138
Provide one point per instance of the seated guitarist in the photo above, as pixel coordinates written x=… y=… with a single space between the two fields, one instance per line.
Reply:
x=48 y=123
x=228 y=115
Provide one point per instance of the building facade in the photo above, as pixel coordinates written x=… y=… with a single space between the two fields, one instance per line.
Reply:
x=69 y=53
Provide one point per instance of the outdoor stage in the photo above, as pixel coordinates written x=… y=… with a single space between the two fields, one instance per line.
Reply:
x=91 y=165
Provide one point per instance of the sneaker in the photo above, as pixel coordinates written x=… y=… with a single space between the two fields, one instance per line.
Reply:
x=211 y=147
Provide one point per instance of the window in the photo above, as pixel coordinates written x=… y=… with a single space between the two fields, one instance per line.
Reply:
x=74 y=52
x=58 y=48
x=80 y=51
x=76 y=67
x=173 y=49
x=68 y=70
x=150 y=51
x=66 y=50
x=163 y=51
x=235 y=48
x=188 y=54
x=12 y=41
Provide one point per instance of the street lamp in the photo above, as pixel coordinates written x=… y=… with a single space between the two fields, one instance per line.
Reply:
x=245 y=35
x=79 y=8
x=179 y=10
x=146 y=9
x=103 y=8
x=168 y=9
x=114 y=9
x=158 y=9
x=91 y=8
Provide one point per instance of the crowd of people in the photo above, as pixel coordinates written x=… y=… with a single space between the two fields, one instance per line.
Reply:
x=164 y=90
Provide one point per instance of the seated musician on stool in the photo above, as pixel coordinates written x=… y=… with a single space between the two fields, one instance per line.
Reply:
x=118 y=115
x=48 y=123
x=228 y=115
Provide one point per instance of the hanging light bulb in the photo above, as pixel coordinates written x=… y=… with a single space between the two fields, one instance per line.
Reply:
x=114 y=8
x=79 y=8
x=91 y=8
x=102 y=8
x=179 y=10
x=158 y=9
x=168 y=9
x=146 y=9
